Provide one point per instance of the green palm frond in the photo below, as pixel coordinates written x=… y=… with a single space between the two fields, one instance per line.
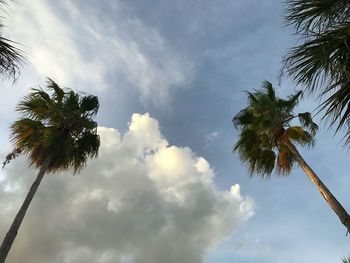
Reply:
x=307 y=122
x=310 y=16
x=322 y=60
x=11 y=57
x=89 y=104
x=242 y=118
x=58 y=93
x=59 y=125
x=265 y=131
x=270 y=92
x=301 y=136
x=259 y=159
x=346 y=260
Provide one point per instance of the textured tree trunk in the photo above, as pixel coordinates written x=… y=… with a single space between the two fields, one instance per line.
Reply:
x=12 y=233
x=327 y=195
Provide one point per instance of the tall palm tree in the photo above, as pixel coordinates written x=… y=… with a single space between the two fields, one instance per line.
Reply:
x=346 y=260
x=322 y=60
x=267 y=139
x=56 y=131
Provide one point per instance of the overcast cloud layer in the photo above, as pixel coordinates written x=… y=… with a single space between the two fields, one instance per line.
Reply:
x=141 y=201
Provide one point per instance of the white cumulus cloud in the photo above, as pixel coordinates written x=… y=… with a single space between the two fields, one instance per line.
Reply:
x=141 y=200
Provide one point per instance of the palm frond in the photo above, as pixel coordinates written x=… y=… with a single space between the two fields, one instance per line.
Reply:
x=307 y=122
x=11 y=58
x=242 y=118
x=322 y=60
x=301 y=136
x=346 y=260
x=270 y=92
x=89 y=104
x=310 y=16
x=259 y=159
x=58 y=92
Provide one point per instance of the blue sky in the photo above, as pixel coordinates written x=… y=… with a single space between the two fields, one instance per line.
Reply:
x=187 y=64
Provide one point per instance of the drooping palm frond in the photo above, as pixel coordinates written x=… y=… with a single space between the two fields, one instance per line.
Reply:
x=265 y=130
x=254 y=151
x=310 y=16
x=346 y=260
x=59 y=125
x=322 y=61
x=11 y=57
x=299 y=135
x=307 y=122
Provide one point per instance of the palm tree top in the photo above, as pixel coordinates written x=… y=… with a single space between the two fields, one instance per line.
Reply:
x=266 y=126
x=57 y=123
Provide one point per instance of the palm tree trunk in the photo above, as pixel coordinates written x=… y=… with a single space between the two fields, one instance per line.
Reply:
x=327 y=195
x=12 y=233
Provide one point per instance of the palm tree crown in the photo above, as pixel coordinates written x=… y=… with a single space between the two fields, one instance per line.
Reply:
x=322 y=60
x=267 y=140
x=57 y=126
x=265 y=130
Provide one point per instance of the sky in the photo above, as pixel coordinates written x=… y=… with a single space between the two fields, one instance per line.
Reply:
x=166 y=186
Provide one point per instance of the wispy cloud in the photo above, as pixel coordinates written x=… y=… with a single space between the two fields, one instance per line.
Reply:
x=74 y=44
x=213 y=136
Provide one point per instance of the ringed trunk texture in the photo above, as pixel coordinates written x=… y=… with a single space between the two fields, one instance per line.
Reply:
x=327 y=195
x=12 y=233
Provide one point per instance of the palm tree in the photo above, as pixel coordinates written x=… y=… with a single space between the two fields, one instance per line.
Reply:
x=56 y=132
x=322 y=60
x=267 y=137
x=346 y=260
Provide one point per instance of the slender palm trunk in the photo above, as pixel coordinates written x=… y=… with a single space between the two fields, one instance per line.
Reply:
x=12 y=233
x=327 y=195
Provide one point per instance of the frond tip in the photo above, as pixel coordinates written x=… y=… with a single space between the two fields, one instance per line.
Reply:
x=11 y=156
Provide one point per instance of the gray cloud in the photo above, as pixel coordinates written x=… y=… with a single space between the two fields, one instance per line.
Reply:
x=141 y=200
x=75 y=44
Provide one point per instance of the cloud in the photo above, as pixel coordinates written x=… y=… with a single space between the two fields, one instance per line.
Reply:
x=141 y=200
x=79 y=44
x=213 y=136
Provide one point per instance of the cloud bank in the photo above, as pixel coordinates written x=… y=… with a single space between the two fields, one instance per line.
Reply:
x=141 y=200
